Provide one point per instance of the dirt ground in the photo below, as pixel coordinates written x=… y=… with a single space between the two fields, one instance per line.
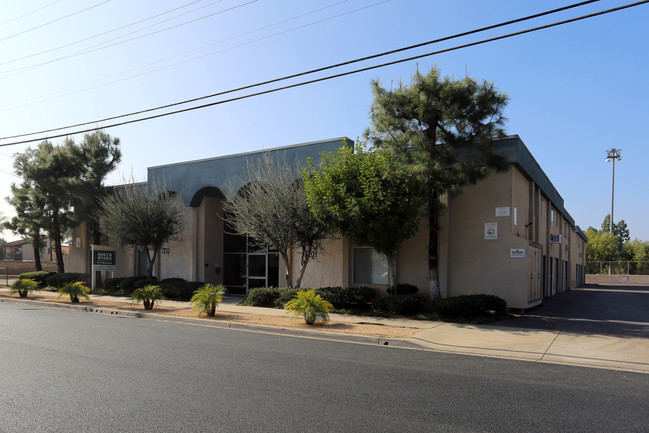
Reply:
x=253 y=319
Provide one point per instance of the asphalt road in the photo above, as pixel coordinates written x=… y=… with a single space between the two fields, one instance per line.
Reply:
x=71 y=371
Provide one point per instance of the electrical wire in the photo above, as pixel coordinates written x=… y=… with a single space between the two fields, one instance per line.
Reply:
x=103 y=46
x=330 y=77
x=53 y=21
x=312 y=71
x=98 y=34
x=28 y=13
x=6 y=108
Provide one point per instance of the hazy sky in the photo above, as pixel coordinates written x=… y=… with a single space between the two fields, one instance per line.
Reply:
x=576 y=90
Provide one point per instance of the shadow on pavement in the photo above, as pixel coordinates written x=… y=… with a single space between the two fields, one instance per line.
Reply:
x=608 y=310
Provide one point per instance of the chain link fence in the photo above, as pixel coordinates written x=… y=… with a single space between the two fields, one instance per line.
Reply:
x=620 y=267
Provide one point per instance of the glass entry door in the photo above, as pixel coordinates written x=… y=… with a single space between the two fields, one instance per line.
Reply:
x=246 y=265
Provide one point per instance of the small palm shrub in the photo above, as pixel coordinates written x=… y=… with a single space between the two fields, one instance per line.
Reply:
x=75 y=290
x=24 y=286
x=148 y=295
x=309 y=305
x=207 y=298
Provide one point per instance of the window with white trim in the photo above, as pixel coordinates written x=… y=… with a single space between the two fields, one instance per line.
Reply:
x=370 y=267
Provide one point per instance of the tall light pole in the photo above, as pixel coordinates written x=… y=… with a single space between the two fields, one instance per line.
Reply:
x=613 y=155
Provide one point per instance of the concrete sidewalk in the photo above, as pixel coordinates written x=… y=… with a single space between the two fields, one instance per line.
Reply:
x=620 y=352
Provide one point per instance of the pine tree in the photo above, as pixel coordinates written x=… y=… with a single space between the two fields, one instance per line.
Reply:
x=444 y=129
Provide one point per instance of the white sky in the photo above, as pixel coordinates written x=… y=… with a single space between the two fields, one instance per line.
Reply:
x=576 y=90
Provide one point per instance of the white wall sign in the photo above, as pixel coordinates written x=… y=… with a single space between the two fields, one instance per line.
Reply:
x=491 y=231
x=502 y=211
x=517 y=253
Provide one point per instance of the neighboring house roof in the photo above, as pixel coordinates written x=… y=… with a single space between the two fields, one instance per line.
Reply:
x=18 y=243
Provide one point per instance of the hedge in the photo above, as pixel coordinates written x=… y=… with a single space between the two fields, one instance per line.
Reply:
x=468 y=306
x=60 y=280
x=39 y=276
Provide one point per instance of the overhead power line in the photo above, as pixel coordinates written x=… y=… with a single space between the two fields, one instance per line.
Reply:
x=316 y=80
x=53 y=21
x=6 y=108
x=312 y=71
x=28 y=13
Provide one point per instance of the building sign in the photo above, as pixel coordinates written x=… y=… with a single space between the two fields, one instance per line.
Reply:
x=165 y=250
x=490 y=231
x=517 y=253
x=502 y=211
x=555 y=239
x=103 y=260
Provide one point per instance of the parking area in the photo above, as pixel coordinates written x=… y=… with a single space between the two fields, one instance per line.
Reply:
x=620 y=310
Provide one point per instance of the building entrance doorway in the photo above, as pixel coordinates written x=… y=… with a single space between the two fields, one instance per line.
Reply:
x=247 y=265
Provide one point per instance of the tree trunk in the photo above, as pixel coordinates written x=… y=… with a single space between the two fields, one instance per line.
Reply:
x=96 y=239
x=151 y=260
x=289 y=269
x=36 y=240
x=303 y=264
x=392 y=271
x=57 y=242
x=433 y=254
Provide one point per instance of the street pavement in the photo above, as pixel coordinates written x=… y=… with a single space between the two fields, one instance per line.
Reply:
x=594 y=326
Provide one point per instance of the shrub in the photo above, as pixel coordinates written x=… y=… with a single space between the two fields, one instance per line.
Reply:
x=309 y=305
x=180 y=290
x=74 y=290
x=148 y=295
x=153 y=281
x=398 y=304
x=126 y=285
x=285 y=295
x=60 y=280
x=404 y=289
x=23 y=286
x=39 y=276
x=467 y=306
x=264 y=296
x=207 y=298
x=112 y=284
x=347 y=297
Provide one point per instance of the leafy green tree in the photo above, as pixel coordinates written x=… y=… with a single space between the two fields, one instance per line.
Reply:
x=368 y=196
x=602 y=246
x=620 y=230
x=30 y=217
x=272 y=209
x=94 y=158
x=142 y=216
x=444 y=129
x=49 y=171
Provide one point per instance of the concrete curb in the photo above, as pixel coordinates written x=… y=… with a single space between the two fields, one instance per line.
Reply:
x=288 y=332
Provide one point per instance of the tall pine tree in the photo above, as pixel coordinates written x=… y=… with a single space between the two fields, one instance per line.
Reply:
x=444 y=129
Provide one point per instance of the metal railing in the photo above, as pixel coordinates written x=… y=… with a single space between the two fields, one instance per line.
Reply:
x=619 y=267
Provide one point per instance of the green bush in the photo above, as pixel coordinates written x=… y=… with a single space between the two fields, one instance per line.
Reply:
x=285 y=295
x=207 y=298
x=112 y=284
x=310 y=306
x=179 y=289
x=39 y=276
x=74 y=290
x=347 y=297
x=404 y=289
x=153 y=281
x=60 y=280
x=127 y=284
x=23 y=286
x=398 y=304
x=148 y=295
x=468 y=306
x=264 y=296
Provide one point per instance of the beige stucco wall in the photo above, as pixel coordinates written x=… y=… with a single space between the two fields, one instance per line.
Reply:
x=331 y=267
x=178 y=261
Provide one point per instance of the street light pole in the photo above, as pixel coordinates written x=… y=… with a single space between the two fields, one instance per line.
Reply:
x=613 y=155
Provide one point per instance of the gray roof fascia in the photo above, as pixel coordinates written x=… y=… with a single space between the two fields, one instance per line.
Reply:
x=514 y=150
x=226 y=173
